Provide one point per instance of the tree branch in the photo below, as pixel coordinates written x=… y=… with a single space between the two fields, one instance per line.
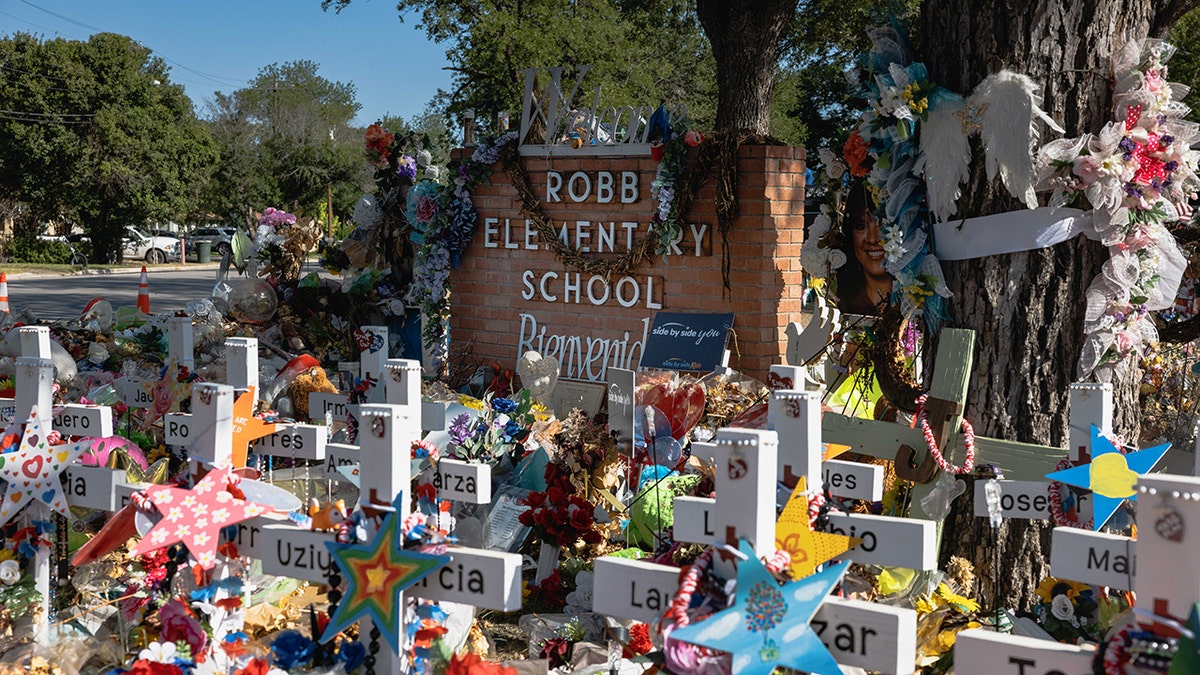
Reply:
x=1168 y=14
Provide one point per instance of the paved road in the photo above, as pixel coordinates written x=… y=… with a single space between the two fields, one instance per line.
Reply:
x=64 y=297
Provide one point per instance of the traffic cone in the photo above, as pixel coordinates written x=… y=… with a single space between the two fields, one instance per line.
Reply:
x=143 y=304
x=4 y=293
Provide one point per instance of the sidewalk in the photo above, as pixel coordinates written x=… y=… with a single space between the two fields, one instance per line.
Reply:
x=132 y=268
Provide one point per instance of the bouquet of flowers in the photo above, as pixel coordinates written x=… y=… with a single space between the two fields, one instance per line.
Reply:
x=502 y=425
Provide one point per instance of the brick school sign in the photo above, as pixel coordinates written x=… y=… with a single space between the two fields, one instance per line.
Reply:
x=511 y=294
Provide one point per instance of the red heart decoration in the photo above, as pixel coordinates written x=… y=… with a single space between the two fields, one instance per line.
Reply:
x=1170 y=526
x=682 y=403
x=778 y=383
x=362 y=339
x=33 y=467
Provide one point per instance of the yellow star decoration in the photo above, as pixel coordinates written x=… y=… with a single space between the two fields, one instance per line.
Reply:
x=832 y=450
x=807 y=548
x=247 y=428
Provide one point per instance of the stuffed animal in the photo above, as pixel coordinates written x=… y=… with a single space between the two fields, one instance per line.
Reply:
x=328 y=516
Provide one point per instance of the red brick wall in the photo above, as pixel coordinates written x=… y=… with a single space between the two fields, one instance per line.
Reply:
x=764 y=248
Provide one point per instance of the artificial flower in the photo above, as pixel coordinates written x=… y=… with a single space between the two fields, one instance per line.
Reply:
x=424 y=158
x=1051 y=587
x=351 y=655
x=557 y=650
x=1062 y=608
x=179 y=625
x=291 y=648
x=406 y=167
x=162 y=652
x=379 y=140
x=473 y=664
x=10 y=572
x=143 y=667
x=855 y=151
x=639 y=638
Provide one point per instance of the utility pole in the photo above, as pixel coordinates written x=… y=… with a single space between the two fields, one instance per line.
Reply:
x=329 y=202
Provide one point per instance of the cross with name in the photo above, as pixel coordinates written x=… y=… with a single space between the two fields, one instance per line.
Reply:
x=860 y=634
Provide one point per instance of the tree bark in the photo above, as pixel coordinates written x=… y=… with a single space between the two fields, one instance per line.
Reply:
x=745 y=38
x=1027 y=308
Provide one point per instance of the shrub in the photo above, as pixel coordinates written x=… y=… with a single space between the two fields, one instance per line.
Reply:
x=39 y=251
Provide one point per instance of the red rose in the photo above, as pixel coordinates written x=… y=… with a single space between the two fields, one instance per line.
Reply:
x=144 y=667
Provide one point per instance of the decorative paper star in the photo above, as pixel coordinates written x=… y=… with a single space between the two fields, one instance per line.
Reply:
x=246 y=427
x=32 y=471
x=1187 y=659
x=832 y=450
x=767 y=625
x=807 y=548
x=197 y=516
x=376 y=573
x=1110 y=476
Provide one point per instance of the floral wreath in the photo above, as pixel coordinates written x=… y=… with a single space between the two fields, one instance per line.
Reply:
x=1137 y=174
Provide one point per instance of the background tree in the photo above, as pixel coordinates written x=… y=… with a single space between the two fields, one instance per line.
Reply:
x=287 y=140
x=99 y=135
x=644 y=52
x=1027 y=308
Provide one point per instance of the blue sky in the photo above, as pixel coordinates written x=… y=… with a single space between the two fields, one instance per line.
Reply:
x=219 y=45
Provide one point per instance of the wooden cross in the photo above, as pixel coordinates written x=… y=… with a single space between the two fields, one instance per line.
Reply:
x=35 y=388
x=947 y=397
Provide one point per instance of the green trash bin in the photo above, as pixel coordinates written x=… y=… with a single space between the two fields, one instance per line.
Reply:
x=204 y=251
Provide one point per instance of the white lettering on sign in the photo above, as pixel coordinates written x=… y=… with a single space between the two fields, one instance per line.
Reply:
x=579 y=186
x=627 y=291
x=288 y=551
x=991 y=653
x=302 y=441
x=1092 y=557
x=339 y=454
x=84 y=420
x=582 y=358
x=898 y=542
x=177 y=428
x=91 y=487
x=322 y=402
x=137 y=395
x=476 y=577
x=464 y=482
x=8 y=409
x=852 y=480
x=632 y=589
x=1028 y=499
x=868 y=635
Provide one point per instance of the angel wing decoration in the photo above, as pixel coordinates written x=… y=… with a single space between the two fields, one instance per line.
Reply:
x=1009 y=106
x=945 y=152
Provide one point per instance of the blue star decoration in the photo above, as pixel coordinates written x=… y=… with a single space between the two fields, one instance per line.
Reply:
x=376 y=573
x=767 y=626
x=1111 y=476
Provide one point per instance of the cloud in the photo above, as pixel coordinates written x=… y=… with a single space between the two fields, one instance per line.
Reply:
x=794 y=633
x=718 y=627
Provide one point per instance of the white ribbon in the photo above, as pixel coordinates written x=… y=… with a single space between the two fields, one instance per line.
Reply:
x=1010 y=232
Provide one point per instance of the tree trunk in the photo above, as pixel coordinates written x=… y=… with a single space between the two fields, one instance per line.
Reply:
x=744 y=37
x=1027 y=308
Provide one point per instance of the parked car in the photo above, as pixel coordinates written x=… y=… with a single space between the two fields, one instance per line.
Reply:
x=218 y=237
x=137 y=245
